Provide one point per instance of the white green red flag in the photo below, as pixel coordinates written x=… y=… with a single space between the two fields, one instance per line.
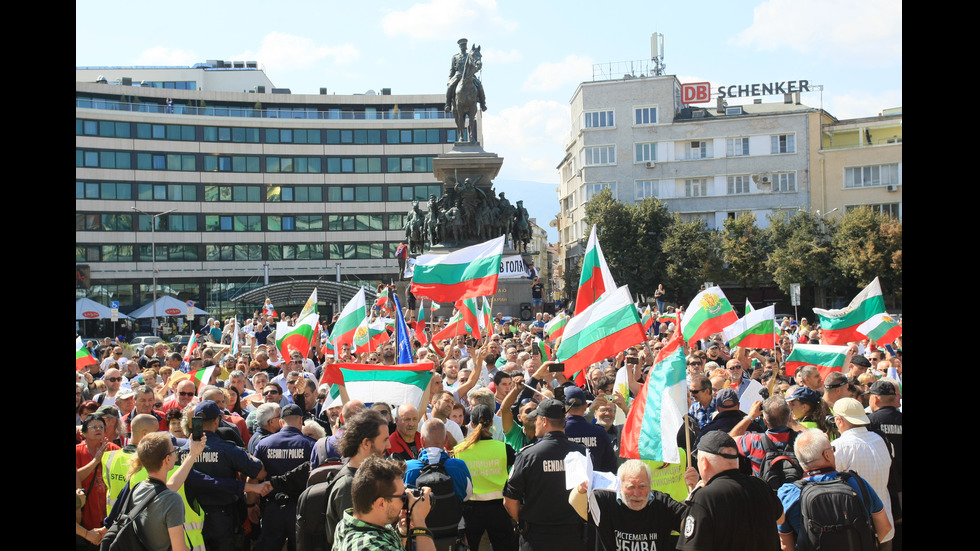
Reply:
x=191 y=347
x=486 y=320
x=83 y=358
x=466 y=273
x=556 y=327
x=201 y=377
x=328 y=348
x=420 y=325
x=350 y=317
x=455 y=326
x=298 y=337
x=709 y=313
x=236 y=343
x=748 y=306
x=370 y=335
x=826 y=357
x=881 y=328
x=471 y=316
x=310 y=307
x=604 y=329
x=596 y=279
x=658 y=410
x=546 y=353
x=757 y=329
x=840 y=326
x=369 y=383
x=668 y=318
x=647 y=319
x=382 y=301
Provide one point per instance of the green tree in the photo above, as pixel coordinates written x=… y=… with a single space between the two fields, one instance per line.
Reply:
x=691 y=250
x=744 y=248
x=651 y=222
x=800 y=250
x=866 y=245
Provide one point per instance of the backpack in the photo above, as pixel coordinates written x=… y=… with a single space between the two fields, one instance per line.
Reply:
x=779 y=466
x=834 y=517
x=311 y=508
x=447 y=507
x=124 y=535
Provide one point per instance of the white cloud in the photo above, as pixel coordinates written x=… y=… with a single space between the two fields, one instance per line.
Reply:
x=862 y=104
x=161 y=55
x=438 y=19
x=866 y=33
x=286 y=52
x=530 y=137
x=494 y=56
x=548 y=77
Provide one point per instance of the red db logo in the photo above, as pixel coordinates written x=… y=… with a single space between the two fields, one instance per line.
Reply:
x=172 y=311
x=696 y=92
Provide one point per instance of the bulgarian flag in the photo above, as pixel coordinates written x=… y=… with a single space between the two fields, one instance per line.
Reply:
x=236 y=343
x=596 y=279
x=545 y=351
x=466 y=273
x=455 y=326
x=604 y=329
x=709 y=313
x=668 y=318
x=471 y=317
x=328 y=348
x=556 y=327
x=298 y=337
x=310 y=306
x=486 y=321
x=191 y=347
x=841 y=326
x=382 y=301
x=647 y=319
x=757 y=329
x=391 y=384
x=881 y=328
x=201 y=377
x=420 y=326
x=658 y=410
x=826 y=357
x=350 y=318
x=369 y=336
x=83 y=358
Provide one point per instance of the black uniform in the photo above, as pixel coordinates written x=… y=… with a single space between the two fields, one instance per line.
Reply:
x=732 y=511
x=538 y=479
x=623 y=529
x=280 y=453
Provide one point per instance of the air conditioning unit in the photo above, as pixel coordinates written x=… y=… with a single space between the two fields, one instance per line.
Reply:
x=891 y=187
x=763 y=181
x=651 y=164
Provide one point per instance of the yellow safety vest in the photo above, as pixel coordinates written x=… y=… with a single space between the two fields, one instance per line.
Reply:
x=487 y=463
x=114 y=469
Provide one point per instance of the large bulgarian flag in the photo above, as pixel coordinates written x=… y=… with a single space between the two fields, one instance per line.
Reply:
x=881 y=328
x=757 y=329
x=471 y=316
x=369 y=383
x=658 y=410
x=841 y=326
x=466 y=273
x=556 y=327
x=709 y=313
x=604 y=329
x=299 y=337
x=350 y=318
x=370 y=335
x=826 y=357
x=596 y=279
x=83 y=358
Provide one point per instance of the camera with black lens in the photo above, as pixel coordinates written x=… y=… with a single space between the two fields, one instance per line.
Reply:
x=417 y=494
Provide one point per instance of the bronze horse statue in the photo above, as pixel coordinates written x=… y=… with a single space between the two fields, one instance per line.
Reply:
x=465 y=102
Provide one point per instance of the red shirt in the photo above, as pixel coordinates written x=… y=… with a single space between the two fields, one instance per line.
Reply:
x=94 y=511
x=398 y=445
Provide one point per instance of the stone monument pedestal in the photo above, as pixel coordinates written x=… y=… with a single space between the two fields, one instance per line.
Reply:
x=467 y=160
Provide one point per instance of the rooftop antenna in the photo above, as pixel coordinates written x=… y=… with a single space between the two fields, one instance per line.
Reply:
x=657 y=53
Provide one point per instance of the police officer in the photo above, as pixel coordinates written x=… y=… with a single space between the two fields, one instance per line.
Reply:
x=592 y=436
x=545 y=522
x=280 y=453
x=220 y=460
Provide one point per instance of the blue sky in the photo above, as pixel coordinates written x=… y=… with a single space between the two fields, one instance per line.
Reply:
x=535 y=54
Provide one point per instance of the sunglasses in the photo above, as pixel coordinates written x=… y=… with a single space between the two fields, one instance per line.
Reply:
x=186 y=394
x=114 y=379
x=268 y=392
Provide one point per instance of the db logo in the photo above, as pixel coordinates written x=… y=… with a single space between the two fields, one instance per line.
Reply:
x=696 y=92
x=90 y=314
x=172 y=311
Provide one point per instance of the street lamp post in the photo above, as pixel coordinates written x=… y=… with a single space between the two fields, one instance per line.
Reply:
x=153 y=258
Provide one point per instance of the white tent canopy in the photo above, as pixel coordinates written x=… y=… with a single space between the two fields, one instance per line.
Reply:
x=88 y=309
x=166 y=306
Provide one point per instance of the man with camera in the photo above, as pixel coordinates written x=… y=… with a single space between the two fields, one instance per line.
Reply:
x=380 y=499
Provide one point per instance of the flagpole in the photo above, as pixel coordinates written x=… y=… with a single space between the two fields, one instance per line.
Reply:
x=490 y=325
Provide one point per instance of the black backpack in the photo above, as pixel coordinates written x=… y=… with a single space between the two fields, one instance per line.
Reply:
x=779 y=466
x=311 y=508
x=447 y=507
x=124 y=534
x=834 y=517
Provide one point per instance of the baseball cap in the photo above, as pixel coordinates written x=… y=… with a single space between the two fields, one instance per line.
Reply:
x=714 y=441
x=804 y=394
x=551 y=409
x=207 y=410
x=726 y=398
x=291 y=409
x=574 y=396
x=860 y=360
x=481 y=415
x=882 y=388
x=852 y=410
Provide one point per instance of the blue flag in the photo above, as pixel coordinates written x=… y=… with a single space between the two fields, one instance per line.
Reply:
x=403 y=344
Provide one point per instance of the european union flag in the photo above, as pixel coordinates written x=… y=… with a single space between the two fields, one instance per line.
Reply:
x=404 y=345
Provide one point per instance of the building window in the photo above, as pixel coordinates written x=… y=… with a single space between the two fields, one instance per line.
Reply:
x=645 y=152
x=893 y=210
x=645 y=115
x=873 y=175
x=695 y=187
x=600 y=119
x=784 y=182
x=602 y=155
x=237 y=194
x=104 y=190
x=784 y=143
x=738 y=184
x=592 y=189
x=699 y=150
x=737 y=147
x=645 y=189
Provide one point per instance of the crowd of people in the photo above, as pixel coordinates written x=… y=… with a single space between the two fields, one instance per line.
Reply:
x=260 y=455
